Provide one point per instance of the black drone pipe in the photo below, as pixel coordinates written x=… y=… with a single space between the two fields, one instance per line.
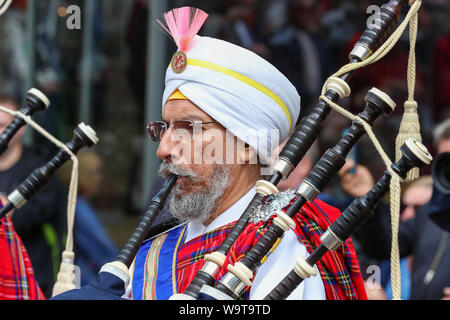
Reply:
x=83 y=136
x=414 y=154
x=128 y=252
x=34 y=101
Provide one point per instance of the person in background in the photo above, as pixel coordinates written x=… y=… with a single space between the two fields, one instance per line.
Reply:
x=40 y=222
x=415 y=195
x=299 y=51
x=241 y=25
x=419 y=236
x=92 y=245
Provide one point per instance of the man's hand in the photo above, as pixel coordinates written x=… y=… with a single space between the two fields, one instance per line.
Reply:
x=355 y=184
x=446 y=294
x=374 y=291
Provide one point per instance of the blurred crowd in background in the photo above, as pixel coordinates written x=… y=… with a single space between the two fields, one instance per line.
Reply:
x=307 y=40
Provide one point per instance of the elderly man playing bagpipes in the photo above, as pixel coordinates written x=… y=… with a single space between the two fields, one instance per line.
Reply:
x=224 y=111
x=222 y=105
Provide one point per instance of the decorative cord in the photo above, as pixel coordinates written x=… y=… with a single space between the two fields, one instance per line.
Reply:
x=410 y=126
x=410 y=106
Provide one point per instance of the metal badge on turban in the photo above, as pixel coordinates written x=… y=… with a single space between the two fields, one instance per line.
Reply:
x=182 y=25
x=178 y=62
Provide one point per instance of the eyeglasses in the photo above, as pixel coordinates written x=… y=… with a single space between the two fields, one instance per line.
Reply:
x=157 y=129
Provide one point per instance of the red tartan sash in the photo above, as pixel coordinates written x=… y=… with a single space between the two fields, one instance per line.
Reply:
x=339 y=269
x=17 y=281
x=190 y=255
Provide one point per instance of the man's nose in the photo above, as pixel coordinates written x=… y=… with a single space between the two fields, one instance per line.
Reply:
x=167 y=148
x=164 y=148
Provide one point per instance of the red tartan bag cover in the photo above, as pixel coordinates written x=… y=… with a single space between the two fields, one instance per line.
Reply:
x=339 y=269
x=17 y=280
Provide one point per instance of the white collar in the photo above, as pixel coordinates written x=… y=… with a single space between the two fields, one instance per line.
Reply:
x=195 y=229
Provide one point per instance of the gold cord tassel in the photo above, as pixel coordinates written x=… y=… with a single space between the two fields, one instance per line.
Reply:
x=66 y=274
x=410 y=126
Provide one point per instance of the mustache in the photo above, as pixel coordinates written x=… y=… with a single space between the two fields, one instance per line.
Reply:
x=167 y=168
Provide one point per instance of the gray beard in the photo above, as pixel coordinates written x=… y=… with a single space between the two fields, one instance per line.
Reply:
x=197 y=206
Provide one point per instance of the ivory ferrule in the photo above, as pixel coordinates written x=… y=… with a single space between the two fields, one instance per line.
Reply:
x=283 y=221
x=419 y=150
x=339 y=86
x=89 y=132
x=265 y=187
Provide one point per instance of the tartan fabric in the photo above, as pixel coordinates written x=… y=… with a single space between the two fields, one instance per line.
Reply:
x=17 y=280
x=339 y=270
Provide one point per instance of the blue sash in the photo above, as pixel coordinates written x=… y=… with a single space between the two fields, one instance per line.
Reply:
x=154 y=272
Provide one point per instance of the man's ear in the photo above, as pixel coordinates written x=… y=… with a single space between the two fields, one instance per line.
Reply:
x=247 y=155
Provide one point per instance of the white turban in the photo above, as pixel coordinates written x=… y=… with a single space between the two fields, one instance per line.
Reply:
x=240 y=90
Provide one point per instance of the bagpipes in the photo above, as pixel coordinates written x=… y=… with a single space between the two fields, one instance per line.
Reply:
x=83 y=136
x=372 y=46
x=13 y=251
x=414 y=155
x=374 y=43
x=377 y=103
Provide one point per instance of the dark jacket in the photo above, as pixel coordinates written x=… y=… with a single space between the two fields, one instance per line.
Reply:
x=419 y=237
x=288 y=57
